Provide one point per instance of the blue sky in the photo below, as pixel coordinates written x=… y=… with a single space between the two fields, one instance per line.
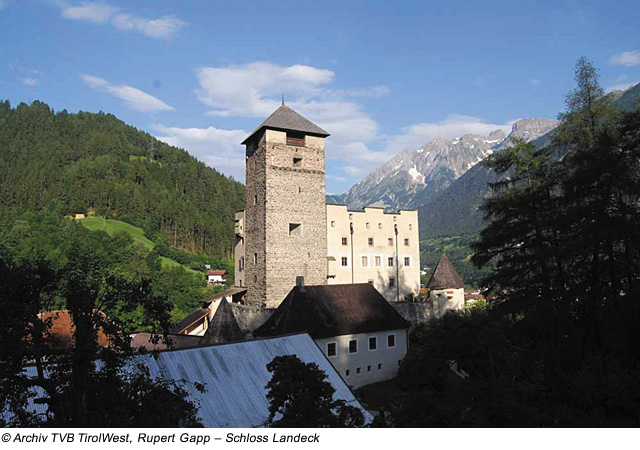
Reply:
x=380 y=76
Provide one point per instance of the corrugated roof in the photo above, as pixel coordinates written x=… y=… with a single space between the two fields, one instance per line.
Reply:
x=332 y=310
x=285 y=118
x=235 y=377
x=223 y=327
x=445 y=276
x=143 y=339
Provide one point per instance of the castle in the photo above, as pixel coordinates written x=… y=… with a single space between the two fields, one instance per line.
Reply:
x=287 y=230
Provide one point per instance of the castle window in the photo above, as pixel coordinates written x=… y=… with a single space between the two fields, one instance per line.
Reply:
x=299 y=190
x=347 y=372
x=410 y=226
x=344 y=261
x=379 y=226
x=357 y=370
x=407 y=261
x=378 y=261
x=332 y=349
x=255 y=199
x=391 y=340
x=297 y=161
x=390 y=261
x=365 y=261
x=255 y=258
x=333 y=223
x=296 y=139
x=295 y=229
x=344 y=240
x=390 y=241
x=373 y=343
x=350 y=216
x=370 y=240
x=379 y=366
x=406 y=242
x=368 y=225
x=392 y=282
x=353 y=346
x=368 y=368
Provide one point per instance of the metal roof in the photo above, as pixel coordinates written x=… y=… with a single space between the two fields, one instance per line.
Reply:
x=235 y=376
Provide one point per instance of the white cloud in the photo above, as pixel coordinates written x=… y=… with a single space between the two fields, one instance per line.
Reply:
x=134 y=98
x=90 y=12
x=415 y=136
x=164 y=27
x=626 y=59
x=30 y=81
x=216 y=147
x=98 y=12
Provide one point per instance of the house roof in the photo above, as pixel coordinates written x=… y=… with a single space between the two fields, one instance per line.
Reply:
x=235 y=377
x=285 y=118
x=143 y=339
x=223 y=327
x=62 y=329
x=332 y=310
x=445 y=276
x=216 y=272
x=190 y=320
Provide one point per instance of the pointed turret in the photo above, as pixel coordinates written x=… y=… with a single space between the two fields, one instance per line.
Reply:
x=445 y=276
x=223 y=327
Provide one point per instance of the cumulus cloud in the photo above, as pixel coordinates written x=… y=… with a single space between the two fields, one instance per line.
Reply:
x=30 y=81
x=99 y=12
x=414 y=136
x=215 y=147
x=628 y=59
x=133 y=98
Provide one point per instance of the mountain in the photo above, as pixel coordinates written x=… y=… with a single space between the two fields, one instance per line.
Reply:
x=94 y=162
x=414 y=177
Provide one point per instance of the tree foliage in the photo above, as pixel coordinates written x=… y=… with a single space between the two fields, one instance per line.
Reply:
x=301 y=397
x=95 y=161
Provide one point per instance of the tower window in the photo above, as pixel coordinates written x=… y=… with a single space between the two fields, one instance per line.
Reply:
x=255 y=258
x=406 y=242
x=297 y=161
x=379 y=226
x=295 y=229
x=255 y=199
x=390 y=241
x=344 y=261
x=370 y=241
x=344 y=240
x=333 y=223
x=390 y=261
x=367 y=224
x=392 y=282
x=407 y=261
x=410 y=226
x=296 y=139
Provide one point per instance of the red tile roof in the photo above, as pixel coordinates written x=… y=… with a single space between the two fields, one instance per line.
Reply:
x=217 y=272
x=62 y=329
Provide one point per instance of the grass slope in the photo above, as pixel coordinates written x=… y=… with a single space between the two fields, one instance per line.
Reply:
x=112 y=226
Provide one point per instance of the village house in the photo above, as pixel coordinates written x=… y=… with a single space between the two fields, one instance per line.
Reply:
x=360 y=333
x=288 y=230
x=216 y=277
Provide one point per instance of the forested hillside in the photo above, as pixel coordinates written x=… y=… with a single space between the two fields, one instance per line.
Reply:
x=94 y=161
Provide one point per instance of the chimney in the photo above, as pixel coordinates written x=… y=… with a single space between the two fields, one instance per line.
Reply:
x=300 y=283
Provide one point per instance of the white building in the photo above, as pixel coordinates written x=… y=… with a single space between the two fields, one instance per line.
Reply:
x=446 y=288
x=216 y=276
x=360 y=333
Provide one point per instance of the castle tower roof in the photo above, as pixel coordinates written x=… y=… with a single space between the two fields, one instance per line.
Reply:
x=286 y=119
x=445 y=276
x=223 y=327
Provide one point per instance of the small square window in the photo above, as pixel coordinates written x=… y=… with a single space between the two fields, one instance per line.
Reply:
x=367 y=225
x=331 y=349
x=379 y=366
x=410 y=226
x=368 y=368
x=344 y=261
x=390 y=241
x=255 y=258
x=357 y=370
x=392 y=282
x=391 y=340
x=297 y=161
x=344 y=241
x=353 y=346
x=373 y=343
x=350 y=216
x=390 y=261
x=378 y=261
x=379 y=226
x=407 y=261
x=347 y=372
x=370 y=241
x=406 y=242
x=333 y=223
x=371 y=282
x=295 y=229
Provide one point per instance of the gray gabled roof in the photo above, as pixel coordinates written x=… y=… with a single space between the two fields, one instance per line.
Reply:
x=285 y=118
x=445 y=276
x=223 y=327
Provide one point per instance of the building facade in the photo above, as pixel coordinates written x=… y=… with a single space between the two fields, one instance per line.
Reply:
x=371 y=246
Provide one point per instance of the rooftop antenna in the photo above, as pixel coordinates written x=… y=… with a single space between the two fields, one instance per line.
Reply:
x=283 y=99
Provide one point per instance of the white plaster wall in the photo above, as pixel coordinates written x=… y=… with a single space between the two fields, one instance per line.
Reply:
x=389 y=358
x=444 y=300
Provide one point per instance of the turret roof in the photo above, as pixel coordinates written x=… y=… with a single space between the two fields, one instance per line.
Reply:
x=285 y=118
x=445 y=276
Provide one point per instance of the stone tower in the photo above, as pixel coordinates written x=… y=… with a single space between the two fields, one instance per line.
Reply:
x=446 y=288
x=285 y=215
